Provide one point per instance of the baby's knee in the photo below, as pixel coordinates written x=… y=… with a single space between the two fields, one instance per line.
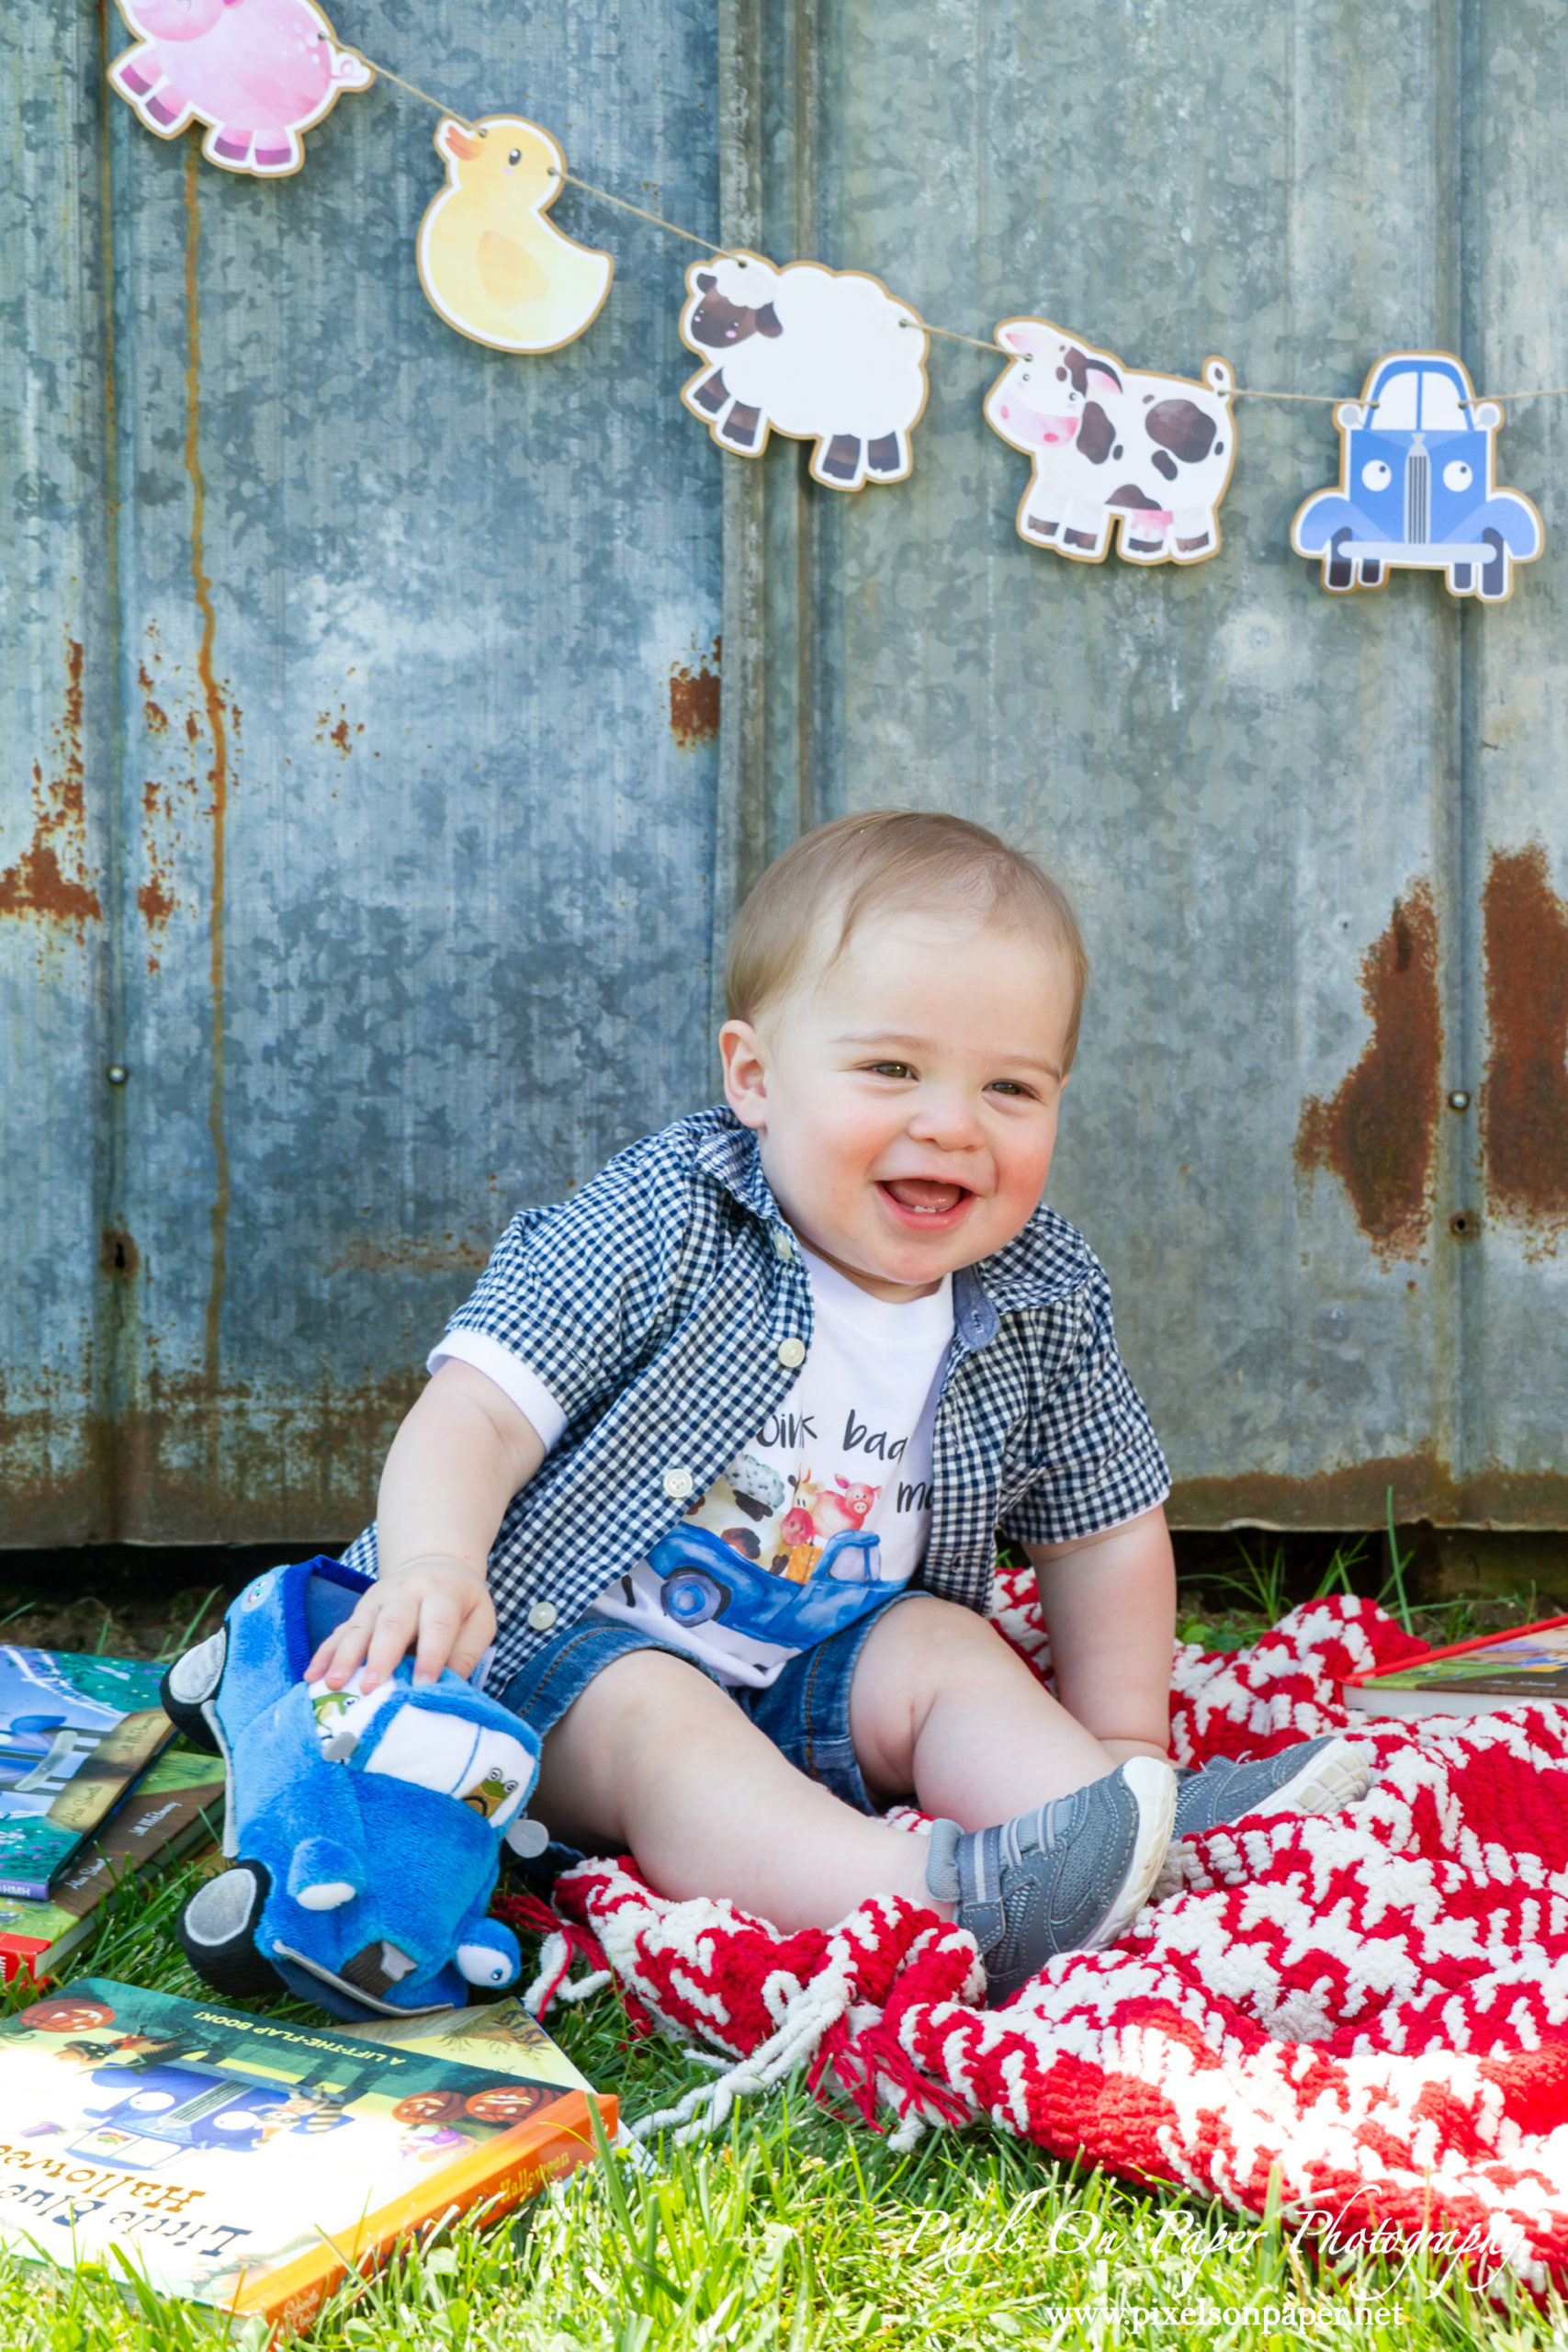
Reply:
x=640 y=1695
x=935 y=1628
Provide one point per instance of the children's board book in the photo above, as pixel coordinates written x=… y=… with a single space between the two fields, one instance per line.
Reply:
x=75 y=1733
x=500 y=2036
x=1473 y=1677
x=177 y=1804
x=247 y=2163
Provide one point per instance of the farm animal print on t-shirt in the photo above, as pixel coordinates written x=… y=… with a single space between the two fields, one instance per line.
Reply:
x=1149 y=456
x=828 y=1506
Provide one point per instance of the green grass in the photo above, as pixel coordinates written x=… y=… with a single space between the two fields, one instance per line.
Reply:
x=799 y=2230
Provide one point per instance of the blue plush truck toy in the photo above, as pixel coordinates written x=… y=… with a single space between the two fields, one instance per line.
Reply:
x=364 y=1830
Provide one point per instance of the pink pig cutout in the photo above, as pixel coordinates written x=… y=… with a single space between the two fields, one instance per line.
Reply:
x=256 y=72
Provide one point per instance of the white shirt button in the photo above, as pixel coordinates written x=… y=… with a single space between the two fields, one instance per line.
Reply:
x=791 y=1353
x=543 y=1615
x=678 y=1484
x=782 y=1246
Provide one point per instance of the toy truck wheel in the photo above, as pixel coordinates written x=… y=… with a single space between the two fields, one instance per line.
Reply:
x=190 y=1683
x=216 y=1933
x=1339 y=573
x=692 y=1598
x=1494 y=570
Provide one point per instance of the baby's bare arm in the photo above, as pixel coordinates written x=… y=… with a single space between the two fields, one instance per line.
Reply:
x=1110 y=1608
x=461 y=1454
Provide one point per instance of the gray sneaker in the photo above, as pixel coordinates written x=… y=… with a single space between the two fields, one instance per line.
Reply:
x=1315 y=1776
x=1070 y=1877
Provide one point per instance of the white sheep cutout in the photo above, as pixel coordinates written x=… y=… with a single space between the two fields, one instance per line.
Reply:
x=821 y=354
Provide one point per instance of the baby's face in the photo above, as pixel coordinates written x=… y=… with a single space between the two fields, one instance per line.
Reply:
x=905 y=1104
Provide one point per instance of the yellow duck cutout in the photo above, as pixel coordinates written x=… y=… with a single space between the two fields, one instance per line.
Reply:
x=489 y=260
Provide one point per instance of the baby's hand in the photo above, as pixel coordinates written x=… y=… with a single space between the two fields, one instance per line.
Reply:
x=437 y=1602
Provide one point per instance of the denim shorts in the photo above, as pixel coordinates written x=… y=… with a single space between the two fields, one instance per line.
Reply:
x=806 y=1712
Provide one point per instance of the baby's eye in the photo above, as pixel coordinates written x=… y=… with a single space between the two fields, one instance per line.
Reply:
x=1010 y=1086
x=890 y=1069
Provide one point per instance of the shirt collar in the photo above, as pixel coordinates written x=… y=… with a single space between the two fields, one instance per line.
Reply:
x=1044 y=1263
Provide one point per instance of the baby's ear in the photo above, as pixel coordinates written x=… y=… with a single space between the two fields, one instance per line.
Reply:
x=745 y=1073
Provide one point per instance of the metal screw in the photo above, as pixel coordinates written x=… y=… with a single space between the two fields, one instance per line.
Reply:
x=1463 y=1223
x=1459 y=1099
x=117 y=1073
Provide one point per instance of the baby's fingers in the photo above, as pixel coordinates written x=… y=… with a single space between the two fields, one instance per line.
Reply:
x=337 y=1655
x=474 y=1638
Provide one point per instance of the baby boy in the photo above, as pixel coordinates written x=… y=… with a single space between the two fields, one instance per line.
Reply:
x=716 y=1453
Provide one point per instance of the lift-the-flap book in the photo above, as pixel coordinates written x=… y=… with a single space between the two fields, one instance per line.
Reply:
x=244 y=2162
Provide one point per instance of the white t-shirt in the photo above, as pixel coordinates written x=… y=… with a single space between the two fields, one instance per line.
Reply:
x=826 y=1507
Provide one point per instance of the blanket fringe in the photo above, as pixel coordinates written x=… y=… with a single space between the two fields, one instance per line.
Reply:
x=810 y=2012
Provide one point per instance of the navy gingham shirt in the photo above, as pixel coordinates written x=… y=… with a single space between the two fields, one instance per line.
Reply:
x=668 y=1311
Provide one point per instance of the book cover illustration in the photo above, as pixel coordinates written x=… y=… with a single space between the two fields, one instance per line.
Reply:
x=244 y=2162
x=177 y=1802
x=1530 y=1663
x=500 y=2036
x=75 y=1733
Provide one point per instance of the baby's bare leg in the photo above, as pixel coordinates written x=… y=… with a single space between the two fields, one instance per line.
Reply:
x=940 y=1708
x=655 y=1760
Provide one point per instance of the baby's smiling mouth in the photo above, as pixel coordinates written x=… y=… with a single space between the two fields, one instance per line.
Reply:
x=925 y=1195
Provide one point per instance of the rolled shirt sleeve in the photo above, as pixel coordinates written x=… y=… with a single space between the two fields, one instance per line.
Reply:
x=574 y=1295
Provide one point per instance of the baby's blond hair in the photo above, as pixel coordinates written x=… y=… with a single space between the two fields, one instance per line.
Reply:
x=890 y=861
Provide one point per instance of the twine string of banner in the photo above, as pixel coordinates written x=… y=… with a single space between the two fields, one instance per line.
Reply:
x=923 y=327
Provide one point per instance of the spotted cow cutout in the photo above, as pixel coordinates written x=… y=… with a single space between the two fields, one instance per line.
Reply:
x=1112 y=449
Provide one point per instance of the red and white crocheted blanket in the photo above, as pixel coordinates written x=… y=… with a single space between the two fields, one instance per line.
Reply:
x=1371 y=2005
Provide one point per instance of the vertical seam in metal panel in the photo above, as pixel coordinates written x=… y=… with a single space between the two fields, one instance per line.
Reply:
x=218 y=774
x=1464 y=1045
x=738 y=825
x=110 y=1323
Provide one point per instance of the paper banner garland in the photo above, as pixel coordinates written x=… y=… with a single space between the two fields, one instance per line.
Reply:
x=821 y=354
x=1150 y=455
x=1416 y=486
x=832 y=359
x=492 y=266
x=256 y=72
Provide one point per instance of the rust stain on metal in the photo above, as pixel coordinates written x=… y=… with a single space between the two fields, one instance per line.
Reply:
x=1356 y=1495
x=1379 y=1133
x=693 y=700
x=436 y=1254
x=340 y=737
x=157 y=720
x=1524 y=1101
x=218 y=774
x=118 y=1254
x=186 y=1464
x=51 y=878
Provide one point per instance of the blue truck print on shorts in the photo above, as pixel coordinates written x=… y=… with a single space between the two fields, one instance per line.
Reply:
x=1416 y=486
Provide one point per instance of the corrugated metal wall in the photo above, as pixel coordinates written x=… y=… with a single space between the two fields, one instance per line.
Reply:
x=361 y=793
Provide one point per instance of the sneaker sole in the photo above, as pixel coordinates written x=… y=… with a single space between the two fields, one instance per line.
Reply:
x=1152 y=1787
x=1334 y=1778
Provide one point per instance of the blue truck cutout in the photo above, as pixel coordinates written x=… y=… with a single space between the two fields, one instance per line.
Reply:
x=1416 y=486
